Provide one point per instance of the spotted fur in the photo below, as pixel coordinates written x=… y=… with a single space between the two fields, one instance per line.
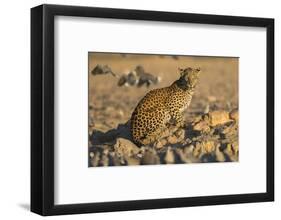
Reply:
x=163 y=106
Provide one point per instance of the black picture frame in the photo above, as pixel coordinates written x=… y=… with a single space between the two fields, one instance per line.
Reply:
x=42 y=109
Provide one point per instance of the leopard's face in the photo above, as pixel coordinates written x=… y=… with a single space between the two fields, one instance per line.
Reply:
x=190 y=76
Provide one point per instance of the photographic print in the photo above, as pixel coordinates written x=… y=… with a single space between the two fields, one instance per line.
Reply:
x=172 y=99
x=162 y=109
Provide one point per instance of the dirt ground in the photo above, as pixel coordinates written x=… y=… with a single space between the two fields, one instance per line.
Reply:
x=111 y=106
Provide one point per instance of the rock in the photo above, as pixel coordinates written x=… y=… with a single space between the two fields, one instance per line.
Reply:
x=114 y=159
x=120 y=113
x=197 y=119
x=197 y=150
x=101 y=127
x=180 y=135
x=169 y=157
x=202 y=148
x=163 y=141
x=227 y=129
x=183 y=157
x=234 y=114
x=235 y=148
x=104 y=160
x=172 y=139
x=218 y=118
x=122 y=161
x=91 y=122
x=102 y=69
x=201 y=126
x=150 y=157
x=124 y=147
x=188 y=149
x=131 y=161
x=207 y=146
x=228 y=150
x=95 y=159
x=212 y=98
x=160 y=144
x=219 y=155
x=105 y=151
x=92 y=154
x=143 y=149
x=165 y=133
x=207 y=109
x=110 y=109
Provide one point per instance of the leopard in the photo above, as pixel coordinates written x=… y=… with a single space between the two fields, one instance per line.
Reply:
x=163 y=107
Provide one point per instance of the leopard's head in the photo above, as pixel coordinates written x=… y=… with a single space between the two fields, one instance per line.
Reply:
x=189 y=77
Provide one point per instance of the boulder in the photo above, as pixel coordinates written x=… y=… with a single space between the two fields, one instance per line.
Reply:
x=218 y=118
x=125 y=147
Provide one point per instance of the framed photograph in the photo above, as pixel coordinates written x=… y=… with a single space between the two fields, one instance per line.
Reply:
x=136 y=109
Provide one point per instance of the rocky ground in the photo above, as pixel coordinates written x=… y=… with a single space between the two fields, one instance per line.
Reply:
x=212 y=137
x=211 y=131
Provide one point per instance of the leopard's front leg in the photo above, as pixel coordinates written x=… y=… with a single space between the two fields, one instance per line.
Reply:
x=178 y=119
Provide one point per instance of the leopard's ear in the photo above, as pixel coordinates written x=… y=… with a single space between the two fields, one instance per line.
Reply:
x=198 y=71
x=181 y=71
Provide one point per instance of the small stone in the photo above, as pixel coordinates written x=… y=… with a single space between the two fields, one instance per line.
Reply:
x=139 y=155
x=143 y=149
x=92 y=154
x=105 y=151
x=235 y=147
x=114 y=158
x=197 y=150
x=218 y=117
x=163 y=141
x=150 y=157
x=234 y=114
x=172 y=139
x=104 y=160
x=228 y=150
x=207 y=109
x=131 y=161
x=165 y=133
x=201 y=126
x=205 y=118
x=180 y=134
x=120 y=113
x=188 y=149
x=226 y=130
x=95 y=160
x=160 y=144
x=219 y=155
x=197 y=119
x=110 y=109
x=122 y=161
x=183 y=157
x=208 y=146
x=212 y=98
x=173 y=129
x=169 y=157
x=100 y=127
